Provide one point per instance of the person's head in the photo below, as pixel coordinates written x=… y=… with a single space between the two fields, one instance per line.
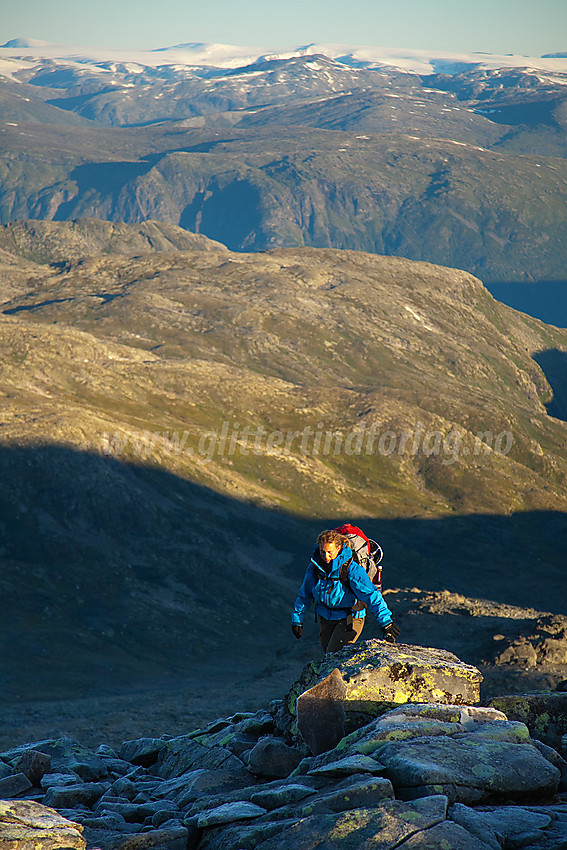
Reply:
x=330 y=544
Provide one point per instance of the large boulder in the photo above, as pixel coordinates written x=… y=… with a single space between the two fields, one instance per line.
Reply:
x=543 y=712
x=469 y=754
x=66 y=755
x=25 y=824
x=379 y=676
x=382 y=826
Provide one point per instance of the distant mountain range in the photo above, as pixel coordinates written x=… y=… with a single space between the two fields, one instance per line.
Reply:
x=456 y=159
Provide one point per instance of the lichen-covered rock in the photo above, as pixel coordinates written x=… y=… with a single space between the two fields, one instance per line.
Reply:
x=67 y=755
x=347 y=766
x=379 y=827
x=444 y=836
x=181 y=754
x=366 y=792
x=274 y=798
x=229 y=813
x=378 y=676
x=418 y=721
x=27 y=825
x=543 y=712
x=469 y=770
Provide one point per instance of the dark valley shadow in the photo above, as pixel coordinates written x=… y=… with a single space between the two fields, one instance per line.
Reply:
x=116 y=576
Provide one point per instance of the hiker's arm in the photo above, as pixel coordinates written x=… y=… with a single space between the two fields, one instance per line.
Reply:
x=368 y=593
x=304 y=597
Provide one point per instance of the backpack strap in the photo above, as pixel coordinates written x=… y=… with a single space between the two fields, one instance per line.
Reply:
x=343 y=576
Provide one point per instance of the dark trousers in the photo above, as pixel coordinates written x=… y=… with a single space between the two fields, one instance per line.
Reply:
x=335 y=634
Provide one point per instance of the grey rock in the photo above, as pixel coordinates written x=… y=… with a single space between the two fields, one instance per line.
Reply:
x=446 y=834
x=274 y=758
x=5 y=770
x=348 y=765
x=142 y=751
x=498 y=826
x=34 y=765
x=12 y=786
x=124 y=787
x=273 y=798
x=106 y=752
x=67 y=756
x=206 y=781
x=382 y=827
x=553 y=756
x=488 y=770
x=164 y=816
x=110 y=821
x=228 y=813
x=260 y=723
x=241 y=743
x=212 y=801
x=245 y=835
x=181 y=754
x=69 y=796
x=365 y=793
x=118 y=767
x=50 y=780
x=156 y=839
x=135 y=812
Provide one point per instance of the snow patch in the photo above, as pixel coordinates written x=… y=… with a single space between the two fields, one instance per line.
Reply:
x=203 y=54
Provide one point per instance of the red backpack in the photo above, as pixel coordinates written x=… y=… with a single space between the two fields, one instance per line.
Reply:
x=366 y=551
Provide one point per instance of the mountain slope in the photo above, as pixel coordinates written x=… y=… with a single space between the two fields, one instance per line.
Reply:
x=452 y=160
x=177 y=426
x=500 y=217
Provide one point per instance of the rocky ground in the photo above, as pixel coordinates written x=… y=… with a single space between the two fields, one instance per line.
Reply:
x=320 y=771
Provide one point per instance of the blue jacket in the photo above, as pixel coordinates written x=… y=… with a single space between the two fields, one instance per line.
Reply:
x=333 y=600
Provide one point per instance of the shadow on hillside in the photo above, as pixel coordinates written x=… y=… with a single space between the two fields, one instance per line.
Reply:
x=554 y=366
x=103 y=179
x=115 y=576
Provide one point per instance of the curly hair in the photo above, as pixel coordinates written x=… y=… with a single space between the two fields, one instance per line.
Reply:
x=332 y=537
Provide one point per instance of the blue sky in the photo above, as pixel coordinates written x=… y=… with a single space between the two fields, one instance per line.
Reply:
x=529 y=27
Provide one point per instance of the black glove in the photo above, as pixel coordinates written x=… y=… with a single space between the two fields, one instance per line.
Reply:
x=297 y=629
x=390 y=632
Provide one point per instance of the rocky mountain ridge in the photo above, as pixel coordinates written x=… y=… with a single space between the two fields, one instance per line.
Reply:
x=464 y=166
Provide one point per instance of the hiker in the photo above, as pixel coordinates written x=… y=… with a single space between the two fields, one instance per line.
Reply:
x=337 y=597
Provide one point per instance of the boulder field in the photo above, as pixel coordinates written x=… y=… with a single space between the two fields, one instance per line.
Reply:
x=354 y=756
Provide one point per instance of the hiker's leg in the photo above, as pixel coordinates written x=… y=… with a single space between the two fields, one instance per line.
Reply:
x=326 y=628
x=344 y=634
